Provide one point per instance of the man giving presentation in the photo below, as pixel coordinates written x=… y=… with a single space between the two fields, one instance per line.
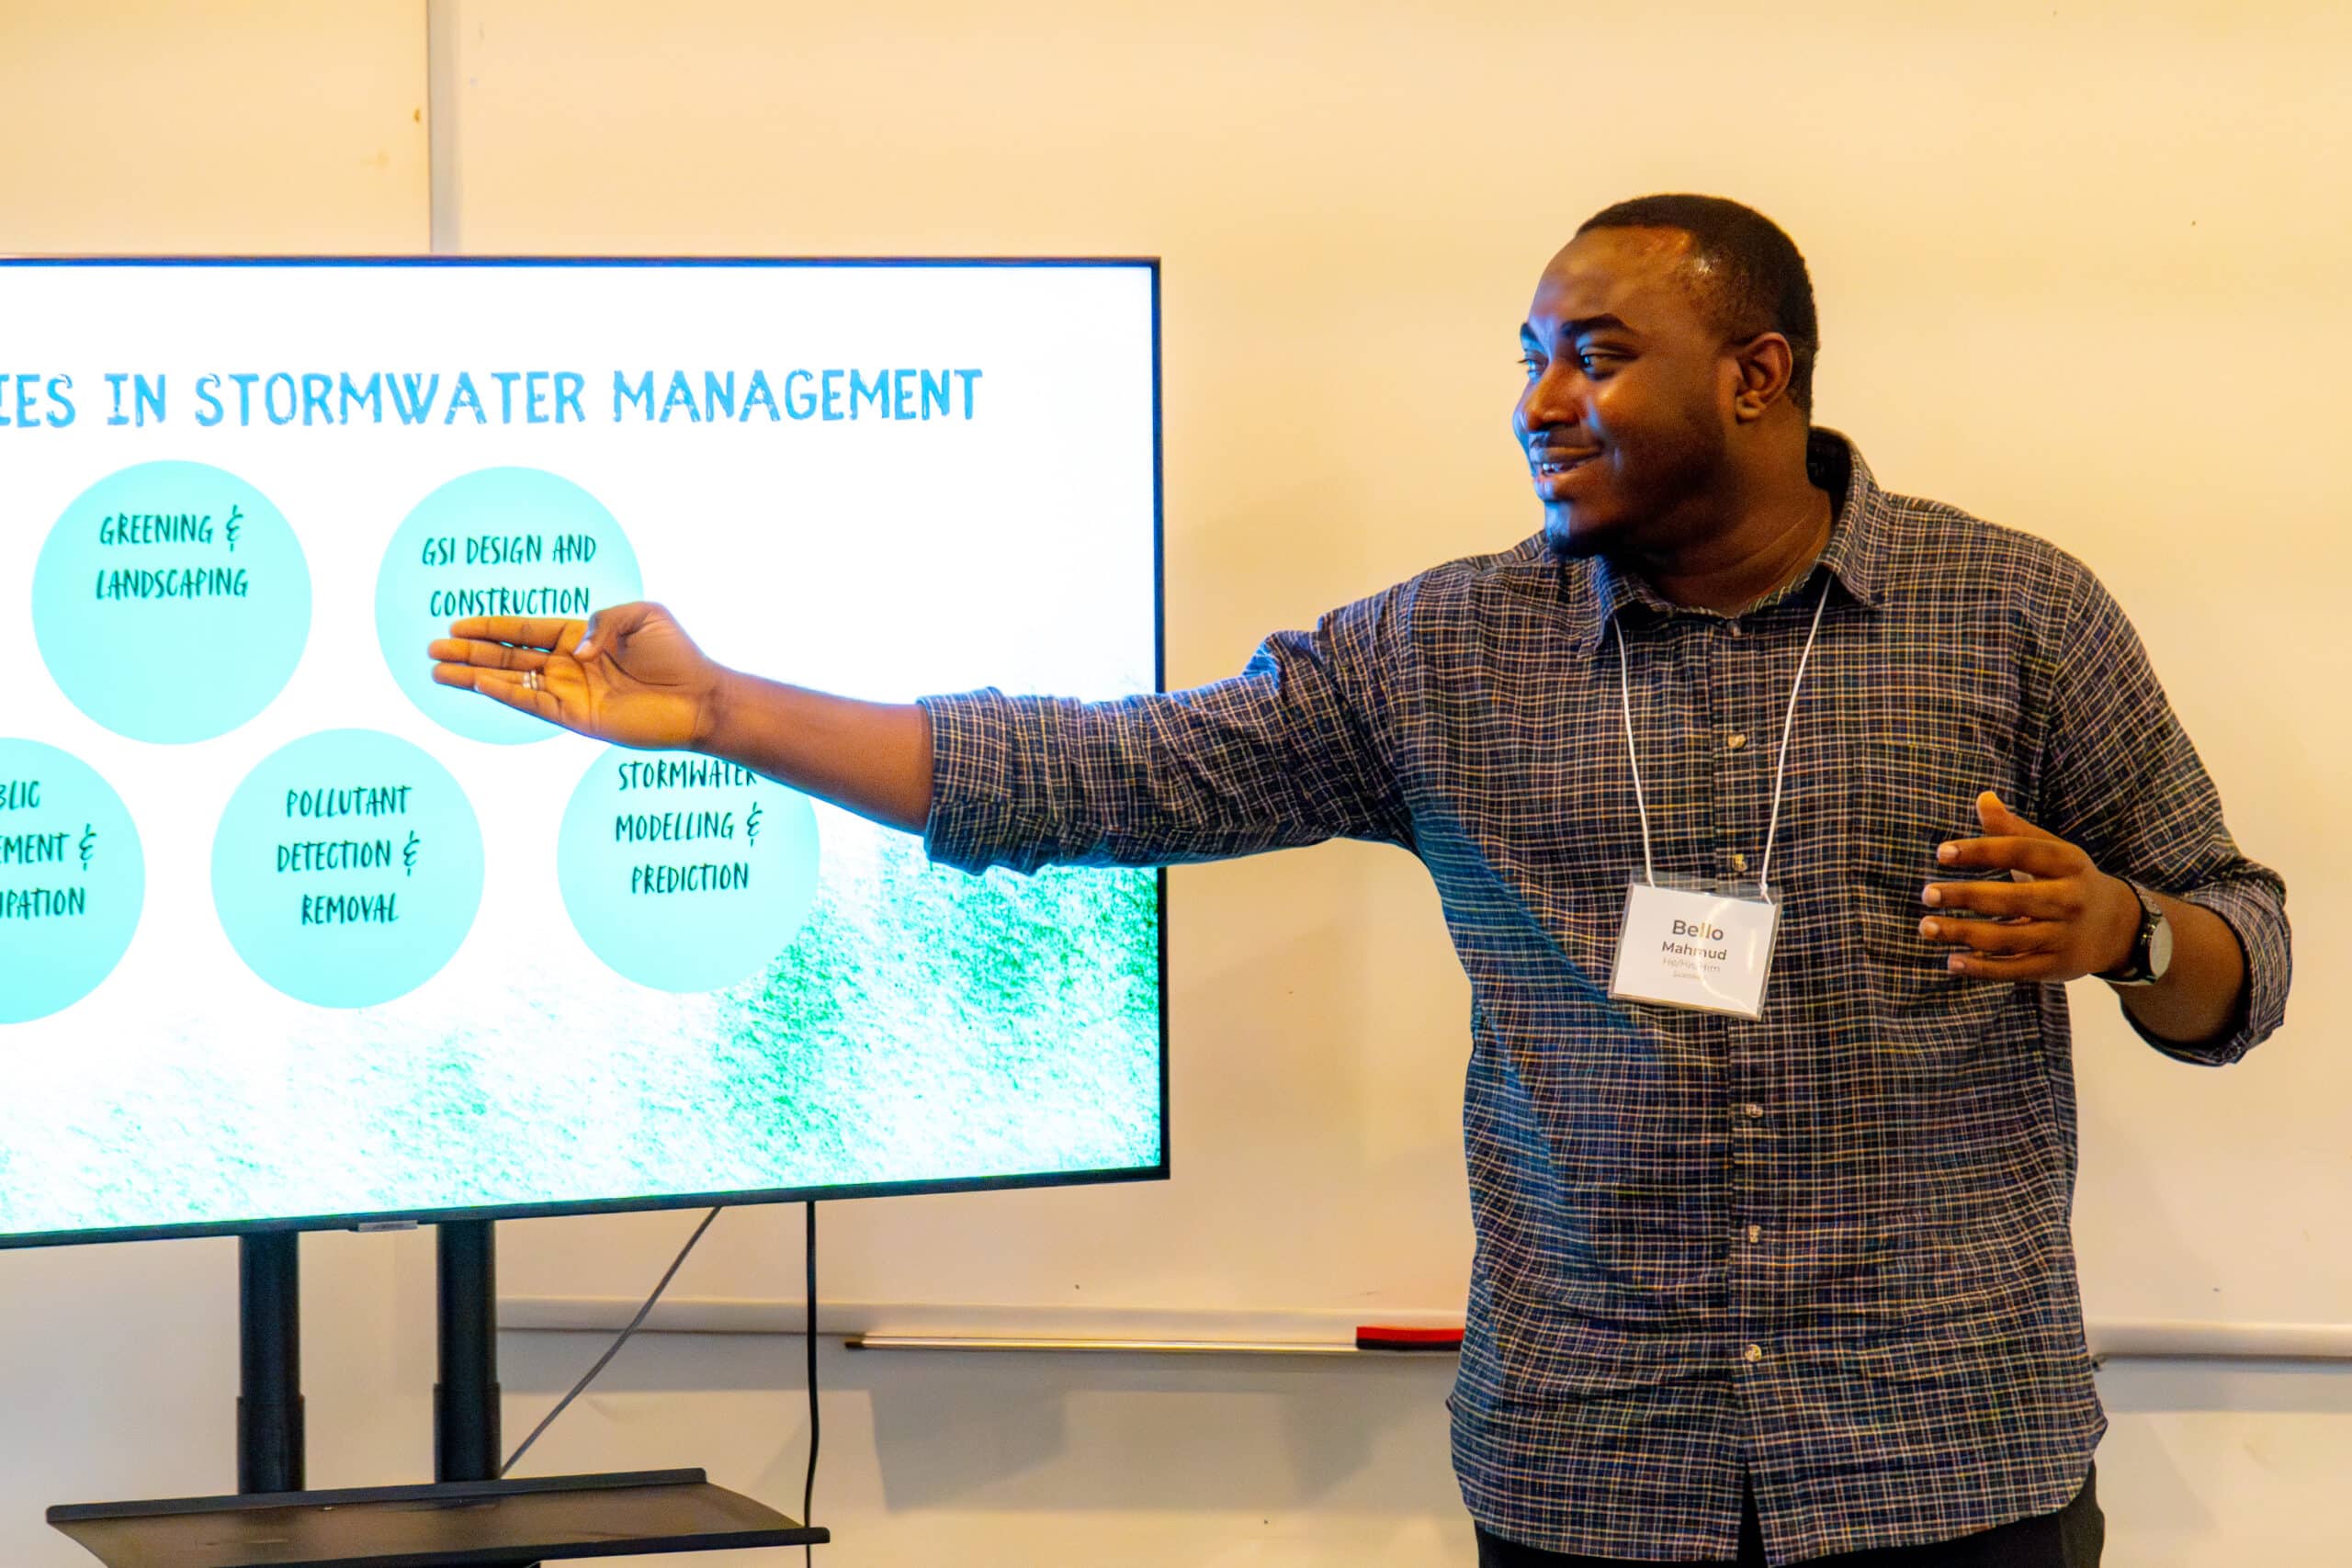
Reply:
x=1769 y=808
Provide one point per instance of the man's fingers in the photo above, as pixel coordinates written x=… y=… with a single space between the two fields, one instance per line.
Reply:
x=485 y=655
x=1991 y=966
x=2037 y=857
x=2028 y=928
x=609 y=626
x=2001 y=822
x=509 y=689
x=545 y=633
x=2054 y=900
x=1996 y=936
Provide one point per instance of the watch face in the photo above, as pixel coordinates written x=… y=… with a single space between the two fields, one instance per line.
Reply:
x=2160 y=949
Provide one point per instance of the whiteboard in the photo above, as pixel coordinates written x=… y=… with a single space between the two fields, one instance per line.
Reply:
x=2071 y=280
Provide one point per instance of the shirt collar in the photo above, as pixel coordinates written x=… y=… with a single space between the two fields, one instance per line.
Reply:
x=1598 y=590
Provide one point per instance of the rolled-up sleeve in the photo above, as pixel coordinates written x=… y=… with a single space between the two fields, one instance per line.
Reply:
x=2125 y=784
x=1296 y=748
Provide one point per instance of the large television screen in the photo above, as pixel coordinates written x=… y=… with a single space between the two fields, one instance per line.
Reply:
x=291 y=937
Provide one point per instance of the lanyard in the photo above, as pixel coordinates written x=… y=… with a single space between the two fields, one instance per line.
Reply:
x=1780 y=773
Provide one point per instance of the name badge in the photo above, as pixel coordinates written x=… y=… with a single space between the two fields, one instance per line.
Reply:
x=1707 y=948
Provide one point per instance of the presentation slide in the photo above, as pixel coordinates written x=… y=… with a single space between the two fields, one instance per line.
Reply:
x=289 y=932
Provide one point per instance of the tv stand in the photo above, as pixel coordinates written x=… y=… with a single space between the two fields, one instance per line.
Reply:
x=467 y=1517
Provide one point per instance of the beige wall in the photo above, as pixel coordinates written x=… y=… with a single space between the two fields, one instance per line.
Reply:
x=236 y=127
x=2080 y=271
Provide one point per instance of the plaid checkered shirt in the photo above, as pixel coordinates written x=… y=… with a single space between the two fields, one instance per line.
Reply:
x=1828 y=1251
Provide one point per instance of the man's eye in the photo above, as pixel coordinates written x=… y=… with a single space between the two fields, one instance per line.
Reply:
x=1597 y=361
x=1530 y=364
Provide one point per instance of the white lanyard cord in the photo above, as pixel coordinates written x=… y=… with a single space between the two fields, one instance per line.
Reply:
x=1780 y=772
x=1788 y=728
x=1626 y=699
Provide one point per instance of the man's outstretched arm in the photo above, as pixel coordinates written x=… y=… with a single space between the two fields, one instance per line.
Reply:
x=1285 y=753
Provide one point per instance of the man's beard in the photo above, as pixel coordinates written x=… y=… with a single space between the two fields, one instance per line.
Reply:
x=1580 y=543
x=1649 y=516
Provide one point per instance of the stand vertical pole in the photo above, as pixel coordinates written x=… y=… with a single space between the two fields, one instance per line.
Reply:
x=269 y=1362
x=464 y=1400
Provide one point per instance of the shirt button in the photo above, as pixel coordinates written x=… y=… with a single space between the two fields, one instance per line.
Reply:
x=1736 y=741
x=1751 y=1110
x=1756 y=1233
x=1738 y=863
x=1753 y=1353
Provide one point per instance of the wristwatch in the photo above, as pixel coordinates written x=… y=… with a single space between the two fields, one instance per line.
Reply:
x=2151 y=952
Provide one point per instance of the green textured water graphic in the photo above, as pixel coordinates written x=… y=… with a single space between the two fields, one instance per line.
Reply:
x=924 y=1026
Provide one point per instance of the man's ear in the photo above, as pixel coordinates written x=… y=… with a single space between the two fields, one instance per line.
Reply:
x=1763 y=365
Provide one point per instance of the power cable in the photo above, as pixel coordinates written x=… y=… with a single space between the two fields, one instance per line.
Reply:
x=615 y=1347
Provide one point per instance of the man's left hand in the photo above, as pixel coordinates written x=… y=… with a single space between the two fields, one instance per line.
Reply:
x=2065 y=920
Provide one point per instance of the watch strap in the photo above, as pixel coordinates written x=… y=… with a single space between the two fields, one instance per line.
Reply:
x=2139 y=966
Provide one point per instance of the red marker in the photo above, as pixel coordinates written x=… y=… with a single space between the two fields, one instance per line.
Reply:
x=1382 y=1336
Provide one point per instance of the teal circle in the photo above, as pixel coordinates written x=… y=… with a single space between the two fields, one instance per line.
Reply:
x=348 y=868
x=71 y=880
x=171 y=601
x=494 y=516
x=671 y=879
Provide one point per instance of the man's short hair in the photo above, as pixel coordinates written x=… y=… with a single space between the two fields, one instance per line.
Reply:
x=1742 y=269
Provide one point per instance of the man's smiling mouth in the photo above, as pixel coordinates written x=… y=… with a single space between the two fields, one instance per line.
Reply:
x=1552 y=465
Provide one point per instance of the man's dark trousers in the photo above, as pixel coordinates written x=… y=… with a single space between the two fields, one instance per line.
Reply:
x=2071 y=1538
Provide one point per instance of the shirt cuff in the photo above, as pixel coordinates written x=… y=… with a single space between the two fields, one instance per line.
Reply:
x=2260 y=923
x=974 y=821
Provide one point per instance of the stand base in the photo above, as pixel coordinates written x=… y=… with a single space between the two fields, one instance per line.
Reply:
x=465 y=1524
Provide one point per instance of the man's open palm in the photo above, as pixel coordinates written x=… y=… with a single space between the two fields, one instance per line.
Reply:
x=629 y=675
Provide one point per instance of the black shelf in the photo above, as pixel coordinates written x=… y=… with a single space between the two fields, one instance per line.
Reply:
x=464 y=1524
x=467 y=1517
